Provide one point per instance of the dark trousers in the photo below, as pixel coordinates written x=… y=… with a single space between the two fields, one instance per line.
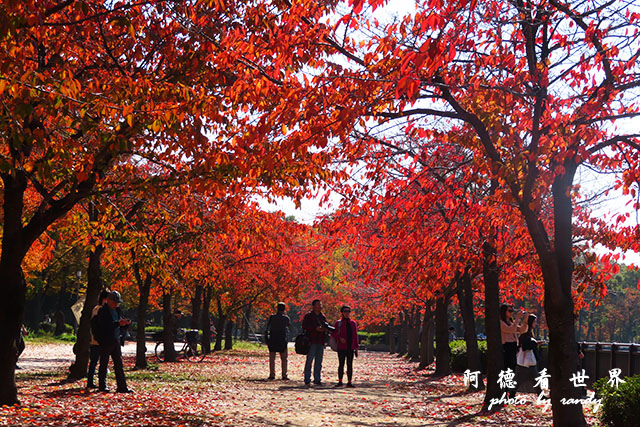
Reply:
x=112 y=350
x=510 y=351
x=342 y=356
x=20 y=345
x=94 y=356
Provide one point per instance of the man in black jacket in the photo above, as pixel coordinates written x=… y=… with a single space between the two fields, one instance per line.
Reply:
x=276 y=337
x=109 y=321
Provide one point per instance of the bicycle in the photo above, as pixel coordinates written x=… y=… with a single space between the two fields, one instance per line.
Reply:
x=191 y=349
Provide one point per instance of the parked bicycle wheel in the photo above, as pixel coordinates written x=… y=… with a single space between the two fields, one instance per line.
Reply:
x=160 y=351
x=194 y=353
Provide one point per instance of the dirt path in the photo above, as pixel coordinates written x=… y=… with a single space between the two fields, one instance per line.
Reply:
x=231 y=389
x=39 y=357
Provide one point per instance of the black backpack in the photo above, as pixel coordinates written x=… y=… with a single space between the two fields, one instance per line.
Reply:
x=303 y=343
x=95 y=327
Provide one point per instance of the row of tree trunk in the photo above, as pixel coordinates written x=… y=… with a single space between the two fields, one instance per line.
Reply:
x=419 y=328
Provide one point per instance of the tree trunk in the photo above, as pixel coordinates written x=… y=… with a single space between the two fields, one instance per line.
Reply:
x=414 y=335
x=426 y=344
x=144 y=288
x=228 y=335
x=495 y=357
x=206 y=321
x=465 y=300
x=221 y=321
x=443 y=352
x=12 y=283
x=196 y=303
x=557 y=272
x=245 y=323
x=78 y=369
x=169 y=327
x=391 y=335
x=403 y=335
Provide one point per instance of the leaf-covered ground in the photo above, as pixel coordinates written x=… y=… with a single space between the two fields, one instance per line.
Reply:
x=230 y=389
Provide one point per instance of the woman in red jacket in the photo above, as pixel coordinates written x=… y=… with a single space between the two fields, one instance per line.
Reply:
x=346 y=335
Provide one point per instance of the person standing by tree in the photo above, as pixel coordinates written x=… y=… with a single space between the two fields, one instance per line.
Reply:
x=527 y=369
x=346 y=335
x=94 y=345
x=109 y=321
x=315 y=324
x=510 y=329
x=276 y=338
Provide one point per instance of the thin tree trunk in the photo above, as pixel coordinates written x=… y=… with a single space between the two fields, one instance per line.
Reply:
x=78 y=369
x=169 y=327
x=426 y=356
x=221 y=322
x=495 y=357
x=443 y=352
x=465 y=300
x=196 y=304
x=414 y=335
x=245 y=323
x=228 y=335
x=391 y=335
x=403 y=336
x=206 y=321
x=144 y=289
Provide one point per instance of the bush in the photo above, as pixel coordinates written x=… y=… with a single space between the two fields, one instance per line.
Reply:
x=459 y=355
x=372 y=338
x=620 y=406
x=47 y=327
x=147 y=329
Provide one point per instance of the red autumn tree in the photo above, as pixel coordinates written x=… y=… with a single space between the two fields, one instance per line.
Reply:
x=535 y=87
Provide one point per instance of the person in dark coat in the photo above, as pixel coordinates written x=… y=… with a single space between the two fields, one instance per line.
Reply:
x=94 y=348
x=315 y=325
x=109 y=321
x=346 y=335
x=277 y=339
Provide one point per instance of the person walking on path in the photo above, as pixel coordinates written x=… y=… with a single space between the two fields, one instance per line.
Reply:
x=94 y=345
x=346 y=336
x=20 y=344
x=109 y=321
x=315 y=325
x=276 y=338
x=510 y=329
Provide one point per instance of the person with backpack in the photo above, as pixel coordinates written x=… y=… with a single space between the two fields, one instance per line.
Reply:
x=94 y=346
x=346 y=337
x=109 y=320
x=276 y=338
x=316 y=327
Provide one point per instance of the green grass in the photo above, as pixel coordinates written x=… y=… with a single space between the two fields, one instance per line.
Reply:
x=49 y=338
x=25 y=376
x=248 y=345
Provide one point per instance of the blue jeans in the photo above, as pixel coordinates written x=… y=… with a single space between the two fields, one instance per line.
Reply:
x=315 y=352
x=94 y=356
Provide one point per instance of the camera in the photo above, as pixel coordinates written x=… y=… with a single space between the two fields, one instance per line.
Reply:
x=328 y=327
